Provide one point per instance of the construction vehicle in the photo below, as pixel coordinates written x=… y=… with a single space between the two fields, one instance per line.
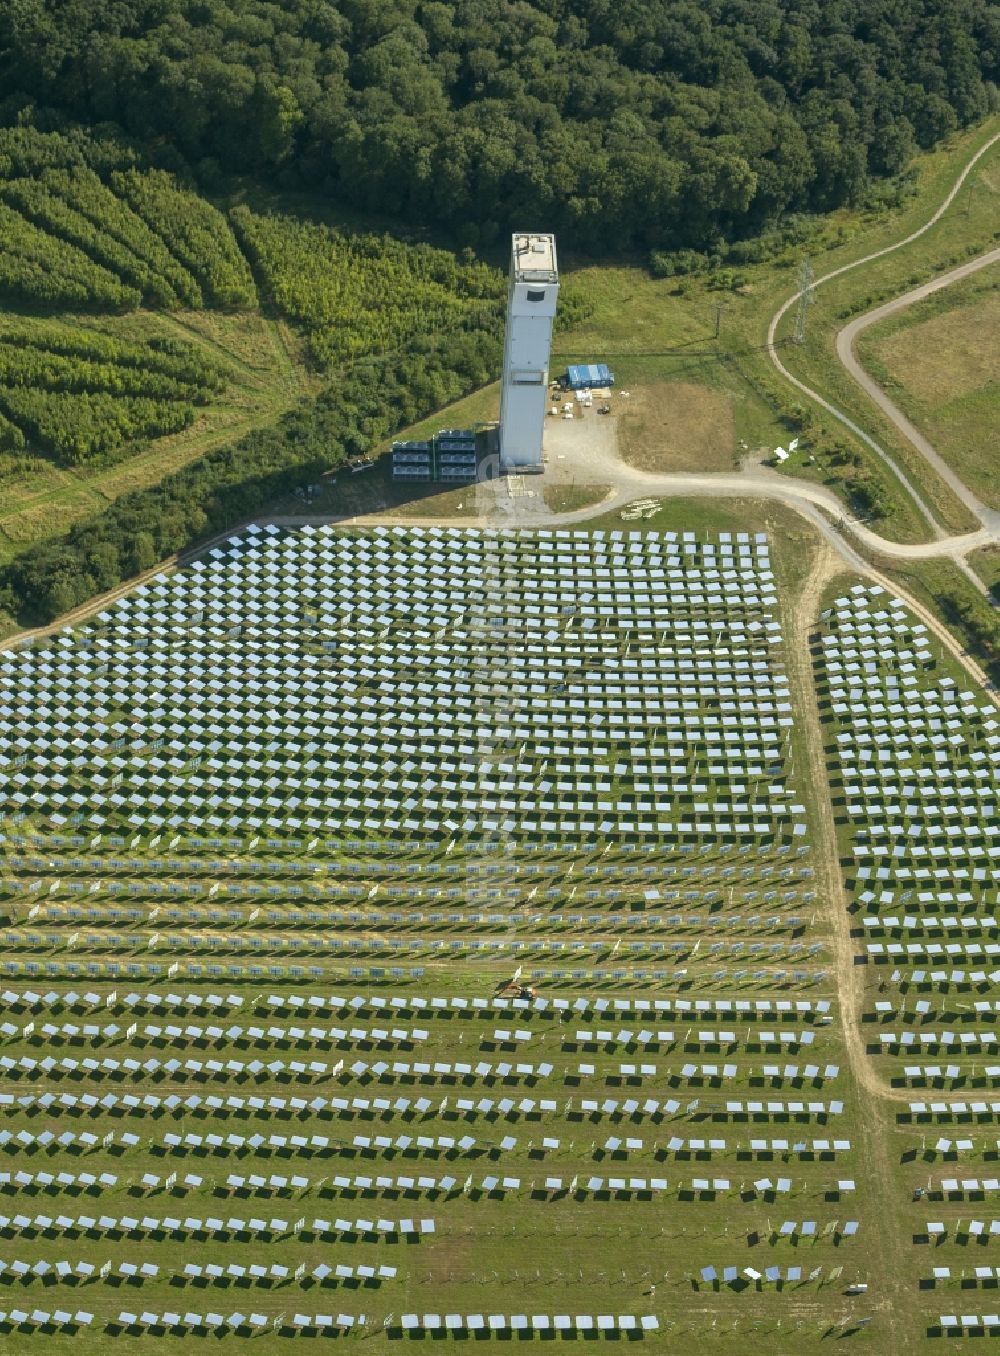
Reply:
x=513 y=988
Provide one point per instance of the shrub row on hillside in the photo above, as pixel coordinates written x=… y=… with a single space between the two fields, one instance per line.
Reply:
x=11 y=437
x=32 y=367
x=75 y=206
x=196 y=233
x=73 y=238
x=230 y=485
x=78 y=427
x=38 y=267
x=362 y=294
x=80 y=395
x=173 y=357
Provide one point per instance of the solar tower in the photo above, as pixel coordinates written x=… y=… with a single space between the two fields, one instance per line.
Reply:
x=531 y=307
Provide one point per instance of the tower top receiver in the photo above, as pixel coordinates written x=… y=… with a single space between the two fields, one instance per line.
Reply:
x=534 y=258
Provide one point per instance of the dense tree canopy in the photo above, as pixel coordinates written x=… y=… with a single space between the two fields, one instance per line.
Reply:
x=658 y=123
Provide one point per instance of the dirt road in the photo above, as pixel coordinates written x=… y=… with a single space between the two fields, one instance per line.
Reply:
x=815 y=396
x=846 y=339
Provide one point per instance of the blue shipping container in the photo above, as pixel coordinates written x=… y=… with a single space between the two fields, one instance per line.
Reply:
x=581 y=375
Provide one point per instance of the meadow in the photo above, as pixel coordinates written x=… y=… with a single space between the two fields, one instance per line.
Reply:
x=706 y=331
x=938 y=361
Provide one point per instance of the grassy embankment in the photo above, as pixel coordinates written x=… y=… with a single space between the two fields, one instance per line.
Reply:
x=939 y=360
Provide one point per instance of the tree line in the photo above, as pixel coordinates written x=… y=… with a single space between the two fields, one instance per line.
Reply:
x=660 y=124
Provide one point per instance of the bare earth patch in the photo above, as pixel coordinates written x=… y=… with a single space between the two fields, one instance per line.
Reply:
x=677 y=426
x=945 y=374
x=948 y=356
x=569 y=497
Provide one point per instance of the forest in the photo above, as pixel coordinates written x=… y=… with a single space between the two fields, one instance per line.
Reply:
x=653 y=124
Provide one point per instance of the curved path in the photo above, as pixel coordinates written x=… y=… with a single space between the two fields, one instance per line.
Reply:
x=629 y=484
x=815 y=396
x=846 y=340
x=804 y=498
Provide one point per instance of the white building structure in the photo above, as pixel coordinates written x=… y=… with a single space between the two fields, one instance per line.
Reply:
x=531 y=307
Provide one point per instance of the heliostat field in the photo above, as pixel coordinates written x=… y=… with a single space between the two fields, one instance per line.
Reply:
x=416 y=933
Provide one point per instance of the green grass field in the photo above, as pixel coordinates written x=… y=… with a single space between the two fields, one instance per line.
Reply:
x=986 y=563
x=966 y=229
x=656 y=340
x=938 y=361
x=573 y=497
x=678 y=426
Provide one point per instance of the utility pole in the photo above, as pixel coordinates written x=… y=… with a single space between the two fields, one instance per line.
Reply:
x=806 y=299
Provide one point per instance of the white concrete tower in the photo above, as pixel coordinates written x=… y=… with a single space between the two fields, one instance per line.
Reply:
x=531 y=306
